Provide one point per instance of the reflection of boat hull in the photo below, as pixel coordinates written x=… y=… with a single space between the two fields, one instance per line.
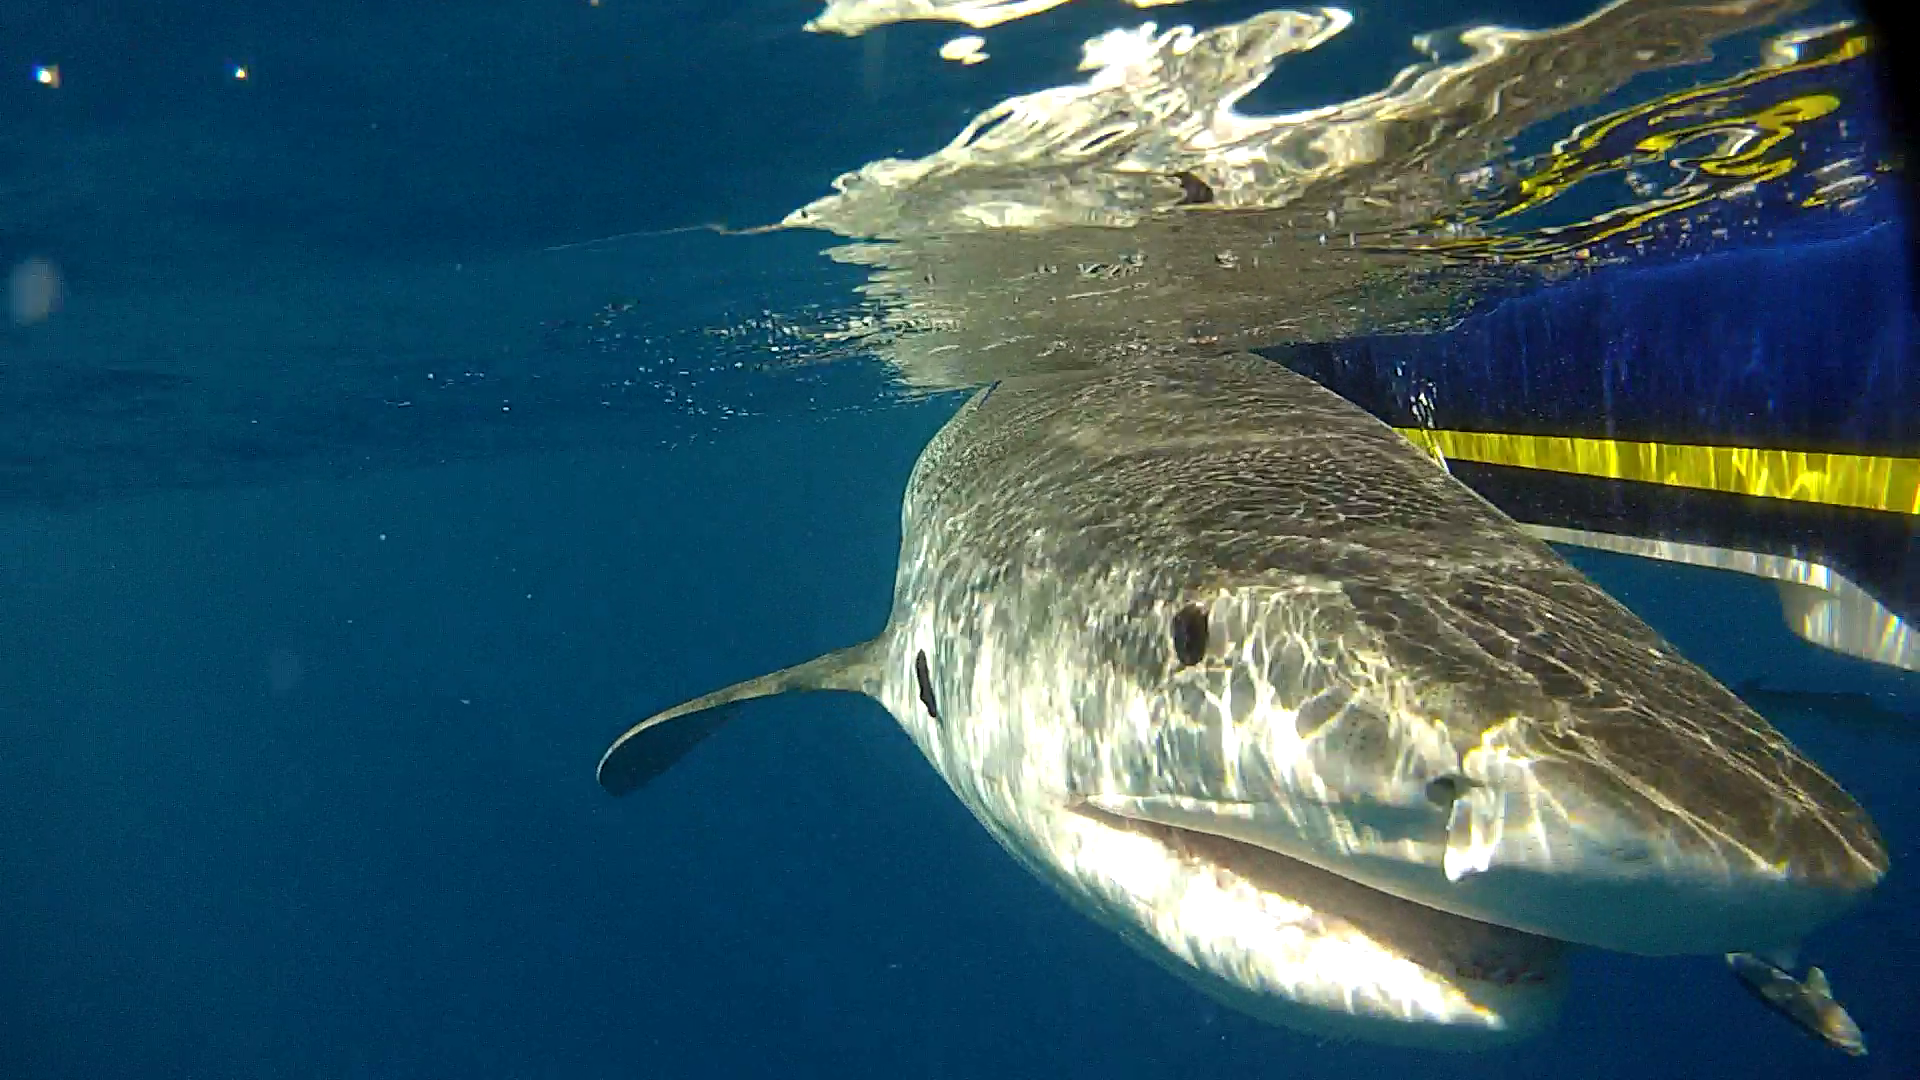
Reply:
x=1753 y=411
x=1820 y=604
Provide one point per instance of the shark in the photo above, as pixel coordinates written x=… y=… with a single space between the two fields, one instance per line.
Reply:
x=1251 y=680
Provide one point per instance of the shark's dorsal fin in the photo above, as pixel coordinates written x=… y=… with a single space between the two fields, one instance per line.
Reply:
x=655 y=744
x=1817 y=983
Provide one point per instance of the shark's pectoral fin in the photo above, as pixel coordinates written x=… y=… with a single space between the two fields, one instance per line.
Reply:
x=656 y=744
x=651 y=748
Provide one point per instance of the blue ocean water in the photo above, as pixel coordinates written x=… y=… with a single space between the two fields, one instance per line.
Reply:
x=338 y=539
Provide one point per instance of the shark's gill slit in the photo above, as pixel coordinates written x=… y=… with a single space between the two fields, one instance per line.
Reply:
x=1190 y=634
x=924 y=678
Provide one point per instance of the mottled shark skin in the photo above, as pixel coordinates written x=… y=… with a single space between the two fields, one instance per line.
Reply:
x=1248 y=678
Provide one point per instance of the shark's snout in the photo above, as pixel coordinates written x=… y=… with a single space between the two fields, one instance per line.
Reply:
x=1635 y=805
x=1622 y=797
x=1590 y=851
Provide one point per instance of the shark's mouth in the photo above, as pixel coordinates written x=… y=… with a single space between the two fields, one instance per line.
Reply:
x=1325 y=940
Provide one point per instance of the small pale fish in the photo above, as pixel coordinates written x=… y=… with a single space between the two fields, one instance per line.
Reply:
x=1807 y=1002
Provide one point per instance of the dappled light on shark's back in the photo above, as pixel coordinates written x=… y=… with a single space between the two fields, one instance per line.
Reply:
x=1247 y=678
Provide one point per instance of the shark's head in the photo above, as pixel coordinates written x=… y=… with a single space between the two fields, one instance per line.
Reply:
x=1517 y=750
x=1214 y=597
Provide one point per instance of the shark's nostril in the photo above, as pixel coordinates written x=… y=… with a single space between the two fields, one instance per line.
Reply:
x=1443 y=790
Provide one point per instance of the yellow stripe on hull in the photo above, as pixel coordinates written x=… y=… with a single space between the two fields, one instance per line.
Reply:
x=1865 y=481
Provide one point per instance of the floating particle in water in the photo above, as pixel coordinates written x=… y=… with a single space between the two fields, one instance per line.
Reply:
x=33 y=291
x=47 y=75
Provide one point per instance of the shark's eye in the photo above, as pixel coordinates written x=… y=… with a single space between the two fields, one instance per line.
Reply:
x=925 y=678
x=1443 y=790
x=1190 y=634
